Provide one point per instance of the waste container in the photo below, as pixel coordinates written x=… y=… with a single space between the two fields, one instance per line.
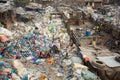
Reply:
x=88 y=33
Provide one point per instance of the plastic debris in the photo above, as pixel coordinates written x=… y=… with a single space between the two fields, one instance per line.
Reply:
x=39 y=48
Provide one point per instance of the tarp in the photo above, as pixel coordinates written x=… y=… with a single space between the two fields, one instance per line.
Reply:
x=109 y=61
x=3 y=38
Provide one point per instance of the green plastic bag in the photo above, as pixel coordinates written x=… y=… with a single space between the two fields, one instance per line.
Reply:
x=51 y=30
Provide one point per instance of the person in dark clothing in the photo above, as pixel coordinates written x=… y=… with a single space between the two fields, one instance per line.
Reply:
x=44 y=55
x=83 y=17
x=54 y=49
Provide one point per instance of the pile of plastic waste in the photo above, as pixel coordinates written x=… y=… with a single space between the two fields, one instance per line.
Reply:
x=40 y=50
x=108 y=15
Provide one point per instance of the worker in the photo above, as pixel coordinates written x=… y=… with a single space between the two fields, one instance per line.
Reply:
x=96 y=28
x=54 y=49
x=94 y=42
x=83 y=17
x=44 y=54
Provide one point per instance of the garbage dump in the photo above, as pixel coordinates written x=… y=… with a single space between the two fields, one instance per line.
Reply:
x=40 y=50
x=108 y=15
x=107 y=18
x=99 y=56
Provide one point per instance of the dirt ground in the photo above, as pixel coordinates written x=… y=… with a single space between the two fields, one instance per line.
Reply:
x=86 y=42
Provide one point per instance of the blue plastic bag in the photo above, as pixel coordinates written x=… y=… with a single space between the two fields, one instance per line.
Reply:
x=35 y=59
x=33 y=54
x=13 y=71
x=24 y=78
x=6 y=65
x=6 y=78
x=10 y=49
x=1 y=63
